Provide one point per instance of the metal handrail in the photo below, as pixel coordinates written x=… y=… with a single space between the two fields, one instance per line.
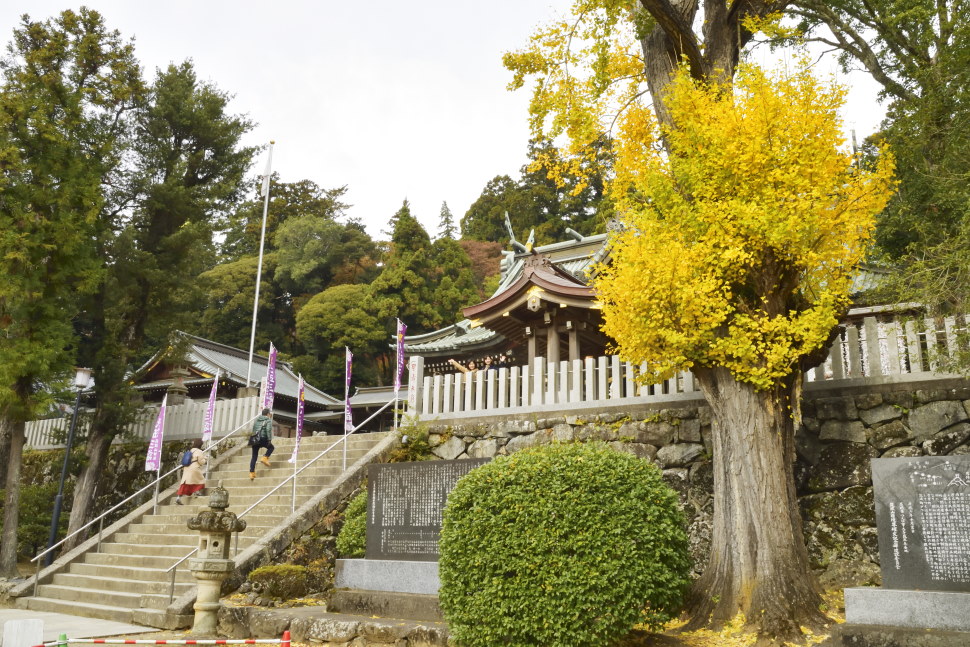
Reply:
x=343 y=439
x=100 y=518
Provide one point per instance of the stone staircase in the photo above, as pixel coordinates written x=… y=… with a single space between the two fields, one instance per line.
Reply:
x=126 y=580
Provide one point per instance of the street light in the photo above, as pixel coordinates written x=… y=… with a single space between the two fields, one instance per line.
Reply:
x=81 y=381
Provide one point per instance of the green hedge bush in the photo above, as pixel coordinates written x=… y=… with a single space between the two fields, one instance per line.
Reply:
x=352 y=539
x=561 y=545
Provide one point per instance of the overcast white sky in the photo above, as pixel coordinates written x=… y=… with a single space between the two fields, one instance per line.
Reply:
x=395 y=100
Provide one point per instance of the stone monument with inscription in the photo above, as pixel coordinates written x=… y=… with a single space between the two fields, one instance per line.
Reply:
x=923 y=521
x=405 y=502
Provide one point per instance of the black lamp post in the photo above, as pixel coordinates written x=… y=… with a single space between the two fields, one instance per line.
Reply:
x=81 y=381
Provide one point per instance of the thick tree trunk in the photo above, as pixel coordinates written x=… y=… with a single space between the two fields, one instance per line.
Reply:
x=4 y=450
x=11 y=504
x=86 y=489
x=758 y=563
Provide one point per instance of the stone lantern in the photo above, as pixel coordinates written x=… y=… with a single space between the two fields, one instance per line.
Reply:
x=177 y=391
x=212 y=565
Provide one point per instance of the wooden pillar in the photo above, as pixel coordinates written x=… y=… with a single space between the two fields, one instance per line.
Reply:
x=552 y=345
x=530 y=334
x=573 y=343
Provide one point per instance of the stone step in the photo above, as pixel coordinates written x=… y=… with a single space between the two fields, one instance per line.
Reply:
x=242 y=496
x=186 y=539
x=315 y=444
x=326 y=438
x=131 y=561
x=131 y=573
x=73 y=608
x=179 y=530
x=75 y=594
x=253 y=518
x=266 y=508
x=159 y=618
x=159 y=550
x=156 y=601
x=252 y=491
x=266 y=477
x=281 y=455
x=129 y=578
x=240 y=465
x=101 y=583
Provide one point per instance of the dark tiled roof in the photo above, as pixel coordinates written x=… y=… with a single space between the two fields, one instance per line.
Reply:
x=205 y=356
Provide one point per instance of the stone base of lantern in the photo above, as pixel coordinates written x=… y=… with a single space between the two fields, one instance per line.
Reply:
x=210 y=574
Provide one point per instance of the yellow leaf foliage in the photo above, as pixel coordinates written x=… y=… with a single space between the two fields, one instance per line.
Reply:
x=740 y=237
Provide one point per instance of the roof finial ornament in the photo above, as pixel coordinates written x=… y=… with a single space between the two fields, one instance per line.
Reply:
x=531 y=240
x=516 y=245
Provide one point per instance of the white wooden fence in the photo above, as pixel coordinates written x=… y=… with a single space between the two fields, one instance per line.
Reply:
x=182 y=422
x=868 y=350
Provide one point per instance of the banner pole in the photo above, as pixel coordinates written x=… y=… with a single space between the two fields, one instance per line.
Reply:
x=259 y=266
x=158 y=476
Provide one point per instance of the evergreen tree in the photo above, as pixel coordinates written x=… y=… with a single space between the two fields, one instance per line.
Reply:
x=227 y=316
x=187 y=167
x=545 y=202
x=456 y=286
x=69 y=86
x=405 y=287
x=341 y=316
x=315 y=252
x=286 y=200
x=446 y=226
x=307 y=250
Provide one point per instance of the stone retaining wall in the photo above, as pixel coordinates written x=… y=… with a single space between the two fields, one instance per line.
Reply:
x=840 y=432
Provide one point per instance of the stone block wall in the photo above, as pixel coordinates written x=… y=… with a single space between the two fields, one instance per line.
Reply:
x=840 y=432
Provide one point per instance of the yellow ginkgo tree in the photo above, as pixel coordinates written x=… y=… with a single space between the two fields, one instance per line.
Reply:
x=742 y=223
x=737 y=252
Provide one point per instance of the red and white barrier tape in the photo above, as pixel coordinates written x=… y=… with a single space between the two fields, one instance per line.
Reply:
x=283 y=642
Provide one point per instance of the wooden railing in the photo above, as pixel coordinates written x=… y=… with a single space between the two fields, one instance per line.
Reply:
x=182 y=422
x=872 y=347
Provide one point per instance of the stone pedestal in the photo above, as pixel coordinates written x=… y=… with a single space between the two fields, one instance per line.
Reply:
x=941 y=610
x=397 y=576
x=212 y=565
x=247 y=392
x=210 y=574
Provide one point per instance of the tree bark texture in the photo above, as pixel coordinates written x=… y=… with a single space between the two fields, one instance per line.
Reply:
x=85 y=490
x=11 y=505
x=758 y=562
x=712 y=56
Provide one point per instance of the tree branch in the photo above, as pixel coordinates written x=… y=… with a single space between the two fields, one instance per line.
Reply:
x=851 y=42
x=679 y=31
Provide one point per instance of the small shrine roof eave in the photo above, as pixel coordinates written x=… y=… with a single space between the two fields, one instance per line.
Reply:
x=460 y=337
x=205 y=356
x=541 y=279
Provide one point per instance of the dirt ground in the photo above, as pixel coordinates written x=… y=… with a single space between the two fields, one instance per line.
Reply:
x=731 y=635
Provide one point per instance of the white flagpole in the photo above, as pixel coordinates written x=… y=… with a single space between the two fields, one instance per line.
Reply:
x=264 y=191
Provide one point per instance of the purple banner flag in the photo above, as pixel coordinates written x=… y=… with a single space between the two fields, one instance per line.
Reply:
x=402 y=330
x=348 y=414
x=210 y=410
x=270 y=382
x=300 y=405
x=153 y=460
